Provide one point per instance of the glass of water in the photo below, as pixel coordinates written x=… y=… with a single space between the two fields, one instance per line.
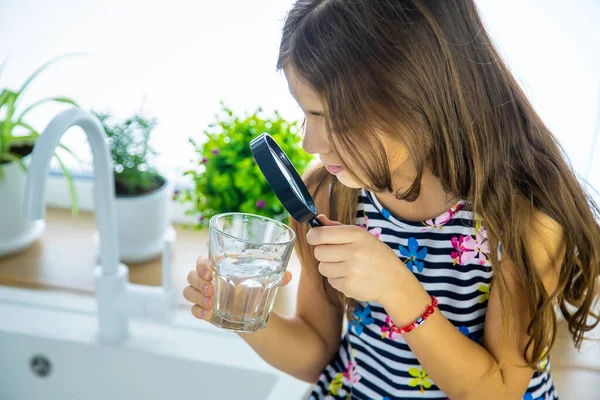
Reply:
x=248 y=255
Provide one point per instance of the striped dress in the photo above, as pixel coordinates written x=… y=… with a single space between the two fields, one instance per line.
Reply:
x=450 y=257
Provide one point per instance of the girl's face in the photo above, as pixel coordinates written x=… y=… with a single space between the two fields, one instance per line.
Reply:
x=315 y=140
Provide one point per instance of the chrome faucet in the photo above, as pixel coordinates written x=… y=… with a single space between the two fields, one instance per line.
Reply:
x=117 y=299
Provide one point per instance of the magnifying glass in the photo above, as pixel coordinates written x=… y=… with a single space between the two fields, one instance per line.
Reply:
x=284 y=180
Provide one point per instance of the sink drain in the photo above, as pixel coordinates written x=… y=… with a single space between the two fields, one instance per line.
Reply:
x=40 y=366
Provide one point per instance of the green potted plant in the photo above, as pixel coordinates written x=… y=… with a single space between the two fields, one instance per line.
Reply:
x=142 y=194
x=226 y=178
x=17 y=138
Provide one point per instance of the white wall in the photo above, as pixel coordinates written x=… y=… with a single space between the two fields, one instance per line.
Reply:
x=181 y=57
x=553 y=47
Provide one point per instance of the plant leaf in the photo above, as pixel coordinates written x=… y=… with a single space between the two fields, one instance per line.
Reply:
x=27 y=126
x=46 y=100
x=14 y=158
x=10 y=110
x=3 y=96
x=226 y=177
x=30 y=139
x=3 y=100
x=65 y=148
x=11 y=141
x=69 y=178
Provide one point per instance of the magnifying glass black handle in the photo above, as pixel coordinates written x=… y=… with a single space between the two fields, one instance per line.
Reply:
x=314 y=223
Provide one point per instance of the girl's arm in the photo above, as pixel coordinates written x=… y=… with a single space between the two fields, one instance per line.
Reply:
x=302 y=345
x=460 y=367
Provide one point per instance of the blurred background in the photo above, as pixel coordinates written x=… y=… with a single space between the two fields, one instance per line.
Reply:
x=177 y=61
x=159 y=74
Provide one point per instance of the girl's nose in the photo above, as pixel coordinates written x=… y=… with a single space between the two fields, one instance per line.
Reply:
x=314 y=140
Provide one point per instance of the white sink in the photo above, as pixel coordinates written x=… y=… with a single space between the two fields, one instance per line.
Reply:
x=49 y=351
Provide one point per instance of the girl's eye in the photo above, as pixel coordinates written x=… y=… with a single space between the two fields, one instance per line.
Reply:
x=316 y=114
x=303 y=127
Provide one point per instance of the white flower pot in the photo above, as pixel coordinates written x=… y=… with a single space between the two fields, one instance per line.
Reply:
x=16 y=233
x=143 y=221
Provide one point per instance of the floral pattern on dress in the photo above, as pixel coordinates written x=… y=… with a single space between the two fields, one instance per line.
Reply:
x=477 y=247
x=439 y=222
x=351 y=376
x=418 y=243
x=474 y=337
x=457 y=244
x=413 y=254
x=340 y=386
x=336 y=386
x=421 y=379
x=485 y=293
x=362 y=318
x=375 y=231
x=467 y=248
x=386 y=330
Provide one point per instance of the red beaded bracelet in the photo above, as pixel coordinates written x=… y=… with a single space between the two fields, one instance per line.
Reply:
x=419 y=321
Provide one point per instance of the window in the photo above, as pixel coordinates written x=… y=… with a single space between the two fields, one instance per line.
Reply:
x=549 y=48
x=177 y=60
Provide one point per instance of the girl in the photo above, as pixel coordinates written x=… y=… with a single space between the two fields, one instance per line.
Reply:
x=460 y=225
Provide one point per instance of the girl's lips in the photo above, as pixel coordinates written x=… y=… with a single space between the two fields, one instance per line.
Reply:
x=334 y=169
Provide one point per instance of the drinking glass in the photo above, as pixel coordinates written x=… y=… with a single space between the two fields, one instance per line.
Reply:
x=248 y=255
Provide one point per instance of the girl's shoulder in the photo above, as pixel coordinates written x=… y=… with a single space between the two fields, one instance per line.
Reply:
x=547 y=247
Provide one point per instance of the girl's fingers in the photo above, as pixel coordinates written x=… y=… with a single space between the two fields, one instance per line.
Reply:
x=200 y=284
x=334 y=234
x=333 y=270
x=287 y=277
x=337 y=283
x=194 y=296
x=334 y=252
x=203 y=268
x=201 y=313
x=326 y=221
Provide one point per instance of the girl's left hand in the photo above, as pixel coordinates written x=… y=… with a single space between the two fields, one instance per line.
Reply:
x=355 y=262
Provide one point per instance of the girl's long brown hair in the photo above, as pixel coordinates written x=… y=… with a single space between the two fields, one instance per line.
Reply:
x=426 y=73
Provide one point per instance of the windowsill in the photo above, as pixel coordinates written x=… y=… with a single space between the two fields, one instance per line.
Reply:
x=63 y=259
x=58 y=196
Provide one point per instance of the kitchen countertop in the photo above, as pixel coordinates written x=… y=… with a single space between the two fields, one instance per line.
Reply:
x=65 y=256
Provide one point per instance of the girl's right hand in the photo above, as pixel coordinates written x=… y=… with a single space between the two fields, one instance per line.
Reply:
x=201 y=290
